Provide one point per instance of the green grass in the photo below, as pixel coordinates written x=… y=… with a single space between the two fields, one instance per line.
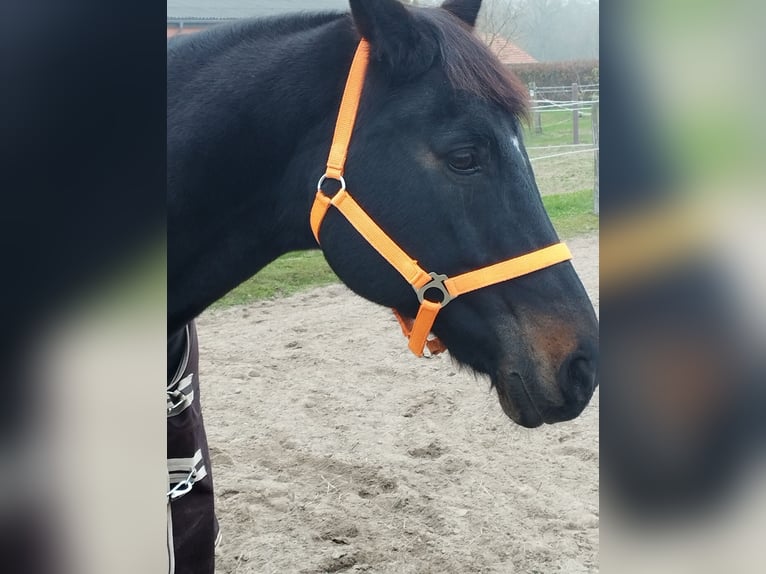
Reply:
x=571 y=214
x=287 y=275
x=557 y=129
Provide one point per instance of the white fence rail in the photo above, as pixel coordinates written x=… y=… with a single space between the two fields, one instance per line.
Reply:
x=582 y=101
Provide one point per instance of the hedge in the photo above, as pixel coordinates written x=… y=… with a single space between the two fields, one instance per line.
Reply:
x=549 y=74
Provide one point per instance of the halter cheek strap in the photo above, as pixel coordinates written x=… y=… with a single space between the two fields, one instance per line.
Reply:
x=421 y=280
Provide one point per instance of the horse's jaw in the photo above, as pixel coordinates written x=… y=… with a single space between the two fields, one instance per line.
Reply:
x=516 y=401
x=531 y=400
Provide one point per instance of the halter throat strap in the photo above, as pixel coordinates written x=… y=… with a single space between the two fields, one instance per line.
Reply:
x=423 y=282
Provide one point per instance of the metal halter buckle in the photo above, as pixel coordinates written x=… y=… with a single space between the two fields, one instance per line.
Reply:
x=325 y=177
x=183 y=487
x=436 y=282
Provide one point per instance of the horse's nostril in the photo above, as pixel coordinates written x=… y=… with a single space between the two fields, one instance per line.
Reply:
x=580 y=375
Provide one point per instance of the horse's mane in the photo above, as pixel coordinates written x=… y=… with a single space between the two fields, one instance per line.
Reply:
x=468 y=64
x=224 y=36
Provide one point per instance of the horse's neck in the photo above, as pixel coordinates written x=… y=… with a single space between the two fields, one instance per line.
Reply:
x=248 y=132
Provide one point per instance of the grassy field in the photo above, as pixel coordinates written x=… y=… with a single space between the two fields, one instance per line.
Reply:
x=557 y=129
x=287 y=275
x=571 y=214
x=563 y=173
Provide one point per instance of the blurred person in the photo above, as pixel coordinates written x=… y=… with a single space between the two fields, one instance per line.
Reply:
x=683 y=383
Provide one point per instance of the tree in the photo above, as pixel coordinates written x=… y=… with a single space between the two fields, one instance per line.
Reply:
x=499 y=21
x=560 y=29
x=549 y=30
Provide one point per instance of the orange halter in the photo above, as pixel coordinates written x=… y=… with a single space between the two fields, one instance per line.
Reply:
x=421 y=280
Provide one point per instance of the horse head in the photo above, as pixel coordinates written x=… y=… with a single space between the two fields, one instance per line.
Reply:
x=437 y=159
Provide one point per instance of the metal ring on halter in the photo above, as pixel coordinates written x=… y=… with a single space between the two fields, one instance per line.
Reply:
x=339 y=179
x=437 y=282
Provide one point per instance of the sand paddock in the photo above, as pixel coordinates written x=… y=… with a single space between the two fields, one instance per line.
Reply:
x=336 y=450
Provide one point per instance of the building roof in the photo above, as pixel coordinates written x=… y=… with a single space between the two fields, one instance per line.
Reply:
x=507 y=52
x=230 y=9
x=208 y=11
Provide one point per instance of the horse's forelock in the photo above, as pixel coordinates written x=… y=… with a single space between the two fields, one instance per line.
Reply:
x=471 y=67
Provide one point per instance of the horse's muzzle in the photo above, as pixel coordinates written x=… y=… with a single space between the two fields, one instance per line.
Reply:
x=531 y=400
x=577 y=378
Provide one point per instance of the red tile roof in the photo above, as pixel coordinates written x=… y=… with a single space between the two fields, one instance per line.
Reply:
x=508 y=52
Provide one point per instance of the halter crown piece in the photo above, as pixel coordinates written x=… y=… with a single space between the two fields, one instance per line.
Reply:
x=421 y=280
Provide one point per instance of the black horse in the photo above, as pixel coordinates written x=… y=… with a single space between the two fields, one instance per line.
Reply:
x=436 y=159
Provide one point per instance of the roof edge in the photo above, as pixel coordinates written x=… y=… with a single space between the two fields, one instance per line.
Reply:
x=197 y=19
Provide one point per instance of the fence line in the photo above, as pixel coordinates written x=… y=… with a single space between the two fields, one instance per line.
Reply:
x=596 y=190
x=574 y=104
x=563 y=154
x=557 y=146
x=563 y=88
x=568 y=106
x=574 y=99
x=546 y=102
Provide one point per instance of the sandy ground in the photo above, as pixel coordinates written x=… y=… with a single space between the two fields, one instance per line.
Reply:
x=336 y=450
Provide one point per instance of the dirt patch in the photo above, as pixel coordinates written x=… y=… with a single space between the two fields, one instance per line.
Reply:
x=433 y=450
x=335 y=450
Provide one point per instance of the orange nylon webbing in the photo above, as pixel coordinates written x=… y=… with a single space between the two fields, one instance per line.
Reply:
x=418 y=330
x=422 y=326
x=378 y=238
x=318 y=211
x=435 y=346
x=367 y=228
x=508 y=269
x=349 y=105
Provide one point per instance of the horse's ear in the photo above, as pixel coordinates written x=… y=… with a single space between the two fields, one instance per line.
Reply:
x=465 y=10
x=390 y=29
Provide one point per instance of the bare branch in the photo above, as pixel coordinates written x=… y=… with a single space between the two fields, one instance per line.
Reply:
x=499 y=21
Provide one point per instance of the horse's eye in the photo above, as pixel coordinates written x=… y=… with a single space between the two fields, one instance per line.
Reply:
x=463 y=161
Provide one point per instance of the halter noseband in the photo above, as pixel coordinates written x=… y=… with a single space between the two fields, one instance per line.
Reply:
x=421 y=280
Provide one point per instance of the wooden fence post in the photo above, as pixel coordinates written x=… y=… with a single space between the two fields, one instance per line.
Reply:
x=594 y=116
x=575 y=114
x=536 y=116
x=538 y=123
